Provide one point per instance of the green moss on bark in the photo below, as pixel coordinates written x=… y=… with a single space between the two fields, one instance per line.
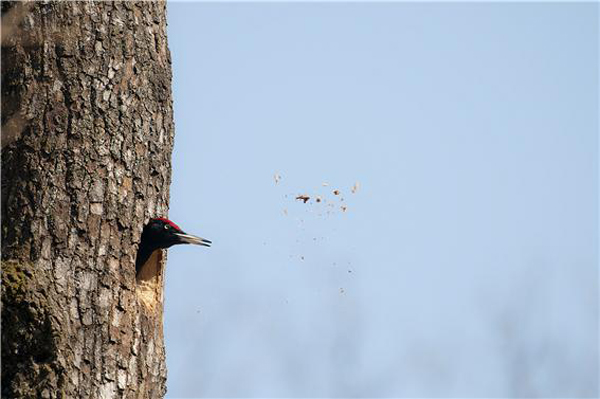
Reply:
x=28 y=337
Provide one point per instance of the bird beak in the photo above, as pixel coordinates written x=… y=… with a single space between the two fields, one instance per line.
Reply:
x=190 y=239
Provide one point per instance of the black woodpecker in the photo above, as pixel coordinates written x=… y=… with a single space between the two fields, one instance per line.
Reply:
x=161 y=233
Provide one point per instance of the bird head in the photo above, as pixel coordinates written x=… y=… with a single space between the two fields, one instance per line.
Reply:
x=163 y=233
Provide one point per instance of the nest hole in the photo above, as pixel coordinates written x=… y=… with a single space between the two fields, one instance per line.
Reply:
x=149 y=281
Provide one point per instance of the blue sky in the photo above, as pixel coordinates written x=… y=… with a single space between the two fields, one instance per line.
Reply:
x=465 y=265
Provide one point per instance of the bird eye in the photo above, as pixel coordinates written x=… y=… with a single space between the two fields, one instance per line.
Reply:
x=166 y=227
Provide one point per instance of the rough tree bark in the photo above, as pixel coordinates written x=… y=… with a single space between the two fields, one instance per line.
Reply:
x=87 y=135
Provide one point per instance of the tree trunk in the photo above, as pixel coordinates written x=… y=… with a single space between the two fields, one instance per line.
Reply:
x=87 y=135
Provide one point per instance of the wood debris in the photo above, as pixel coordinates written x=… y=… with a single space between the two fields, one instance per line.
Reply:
x=303 y=197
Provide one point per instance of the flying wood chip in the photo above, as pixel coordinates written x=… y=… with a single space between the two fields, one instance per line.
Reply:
x=304 y=198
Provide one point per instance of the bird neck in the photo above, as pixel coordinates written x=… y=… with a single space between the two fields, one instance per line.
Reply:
x=143 y=254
